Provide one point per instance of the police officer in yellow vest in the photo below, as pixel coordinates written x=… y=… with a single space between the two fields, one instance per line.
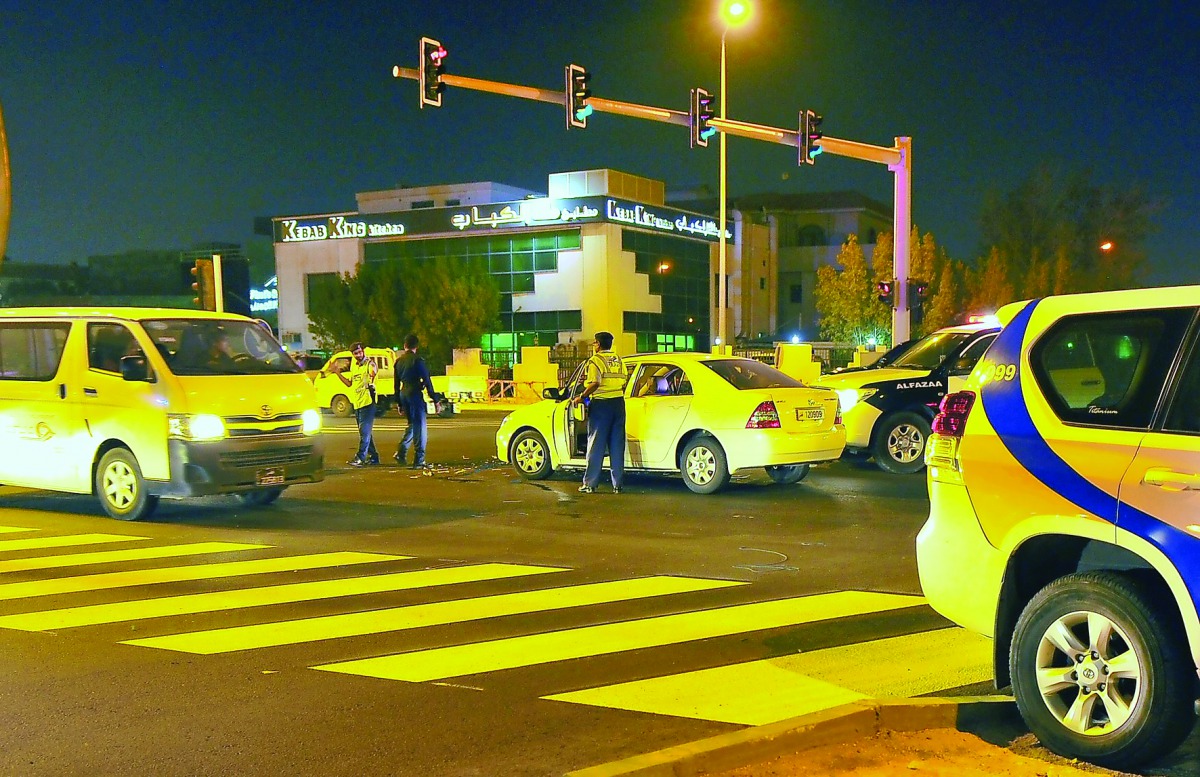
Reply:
x=604 y=388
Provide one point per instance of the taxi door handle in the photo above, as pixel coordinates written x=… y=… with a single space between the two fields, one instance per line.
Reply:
x=1171 y=480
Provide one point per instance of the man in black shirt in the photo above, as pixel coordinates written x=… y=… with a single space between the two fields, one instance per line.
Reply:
x=412 y=376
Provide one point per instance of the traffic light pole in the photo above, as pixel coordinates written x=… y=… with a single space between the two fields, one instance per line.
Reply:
x=898 y=159
x=218 y=285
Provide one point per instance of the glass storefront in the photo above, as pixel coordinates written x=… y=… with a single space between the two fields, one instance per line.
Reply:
x=678 y=271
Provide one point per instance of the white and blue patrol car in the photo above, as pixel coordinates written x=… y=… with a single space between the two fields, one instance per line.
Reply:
x=887 y=411
x=1064 y=520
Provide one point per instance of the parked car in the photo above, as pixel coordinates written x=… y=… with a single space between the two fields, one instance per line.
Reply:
x=887 y=411
x=1064 y=489
x=700 y=415
x=335 y=395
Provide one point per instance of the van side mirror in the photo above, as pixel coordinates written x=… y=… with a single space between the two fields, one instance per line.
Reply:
x=550 y=393
x=135 y=368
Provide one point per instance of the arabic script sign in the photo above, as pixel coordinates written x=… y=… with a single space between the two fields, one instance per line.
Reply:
x=508 y=215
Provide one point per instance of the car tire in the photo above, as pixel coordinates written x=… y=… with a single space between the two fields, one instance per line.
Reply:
x=899 y=445
x=120 y=487
x=260 y=498
x=1069 y=635
x=787 y=474
x=703 y=465
x=530 y=455
x=341 y=407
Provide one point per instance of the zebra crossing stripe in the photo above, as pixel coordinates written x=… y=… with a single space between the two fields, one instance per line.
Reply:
x=38 y=543
x=14 y=529
x=422 y=615
x=132 y=554
x=214 y=601
x=755 y=693
x=494 y=655
x=110 y=580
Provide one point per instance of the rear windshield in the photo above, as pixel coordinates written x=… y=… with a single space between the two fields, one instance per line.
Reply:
x=932 y=350
x=213 y=347
x=749 y=374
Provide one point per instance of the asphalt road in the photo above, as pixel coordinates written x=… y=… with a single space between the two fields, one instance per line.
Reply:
x=459 y=621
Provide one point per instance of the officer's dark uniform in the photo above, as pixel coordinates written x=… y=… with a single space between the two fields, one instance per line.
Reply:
x=606 y=417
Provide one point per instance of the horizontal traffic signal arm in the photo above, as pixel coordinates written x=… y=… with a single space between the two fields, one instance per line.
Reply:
x=785 y=137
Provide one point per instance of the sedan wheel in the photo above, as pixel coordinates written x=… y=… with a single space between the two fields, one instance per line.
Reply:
x=703 y=465
x=530 y=455
x=1098 y=671
x=788 y=473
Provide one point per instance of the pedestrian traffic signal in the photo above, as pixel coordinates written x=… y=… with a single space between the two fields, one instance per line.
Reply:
x=917 y=290
x=578 y=107
x=433 y=66
x=886 y=291
x=810 y=133
x=204 y=287
x=701 y=114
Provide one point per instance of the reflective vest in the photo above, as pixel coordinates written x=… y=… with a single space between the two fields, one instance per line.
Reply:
x=607 y=369
x=362 y=380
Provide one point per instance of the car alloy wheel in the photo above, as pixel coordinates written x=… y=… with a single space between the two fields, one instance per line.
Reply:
x=120 y=487
x=900 y=443
x=530 y=455
x=703 y=465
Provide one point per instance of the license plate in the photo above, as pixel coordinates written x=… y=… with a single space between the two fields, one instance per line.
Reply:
x=810 y=414
x=269 y=477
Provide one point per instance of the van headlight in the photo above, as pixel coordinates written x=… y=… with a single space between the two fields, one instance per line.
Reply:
x=203 y=426
x=311 y=420
x=848 y=398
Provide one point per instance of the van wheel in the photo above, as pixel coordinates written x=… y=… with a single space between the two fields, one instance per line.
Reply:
x=703 y=465
x=259 y=498
x=1100 y=671
x=899 y=445
x=787 y=474
x=341 y=406
x=530 y=455
x=120 y=487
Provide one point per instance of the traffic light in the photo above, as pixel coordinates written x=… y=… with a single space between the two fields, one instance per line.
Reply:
x=578 y=107
x=701 y=114
x=810 y=133
x=204 y=287
x=886 y=291
x=916 y=295
x=433 y=65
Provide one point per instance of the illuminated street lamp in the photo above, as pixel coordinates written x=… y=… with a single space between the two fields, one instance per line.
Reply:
x=733 y=14
x=1106 y=246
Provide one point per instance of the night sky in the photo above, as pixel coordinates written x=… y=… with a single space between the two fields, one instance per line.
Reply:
x=162 y=125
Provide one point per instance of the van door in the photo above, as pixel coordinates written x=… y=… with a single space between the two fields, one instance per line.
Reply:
x=41 y=429
x=113 y=408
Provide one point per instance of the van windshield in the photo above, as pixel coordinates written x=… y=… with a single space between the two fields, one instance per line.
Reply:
x=215 y=347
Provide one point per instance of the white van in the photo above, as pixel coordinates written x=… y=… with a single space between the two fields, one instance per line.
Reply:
x=133 y=404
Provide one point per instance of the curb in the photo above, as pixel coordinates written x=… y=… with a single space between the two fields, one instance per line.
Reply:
x=857 y=720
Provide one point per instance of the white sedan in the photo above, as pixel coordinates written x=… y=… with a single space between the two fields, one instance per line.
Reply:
x=704 y=416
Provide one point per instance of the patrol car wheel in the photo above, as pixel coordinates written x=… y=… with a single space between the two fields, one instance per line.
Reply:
x=260 y=498
x=703 y=465
x=530 y=455
x=120 y=487
x=788 y=474
x=899 y=445
x=341 y=406
x=1100 y=672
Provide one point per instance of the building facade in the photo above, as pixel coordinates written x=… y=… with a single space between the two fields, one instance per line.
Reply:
x=601 y=250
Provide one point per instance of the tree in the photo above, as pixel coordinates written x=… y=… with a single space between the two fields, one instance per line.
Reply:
x=447 y=303
x=989 y=286
x=1058 y=221
x=846 y=300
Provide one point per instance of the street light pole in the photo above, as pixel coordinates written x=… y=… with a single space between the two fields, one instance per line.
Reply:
x=722 y=284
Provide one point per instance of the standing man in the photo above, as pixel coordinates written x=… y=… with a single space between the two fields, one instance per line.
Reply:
x=362 y=395
x=604 y=382
x=412 y=376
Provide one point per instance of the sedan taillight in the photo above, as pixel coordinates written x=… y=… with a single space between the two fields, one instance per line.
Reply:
x=765 y=416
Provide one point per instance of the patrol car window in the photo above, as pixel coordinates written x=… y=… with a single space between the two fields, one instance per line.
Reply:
x=1108 y=369
x=932 y=350
x=1184 y=414
x=31 y=351
x=745 y=374
x=965 y=362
